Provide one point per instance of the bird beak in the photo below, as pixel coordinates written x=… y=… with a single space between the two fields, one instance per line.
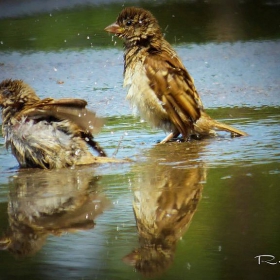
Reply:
x=114 y=28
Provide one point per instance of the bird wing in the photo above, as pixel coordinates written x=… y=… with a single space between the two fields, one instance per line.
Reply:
x=175 y=89
x=65 y=109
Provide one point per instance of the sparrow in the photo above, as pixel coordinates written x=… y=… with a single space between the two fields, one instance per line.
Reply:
x=48 y=133
x=160 y=89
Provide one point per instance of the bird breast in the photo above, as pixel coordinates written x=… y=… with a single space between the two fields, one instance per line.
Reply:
x=143 y=99
x=43 y=143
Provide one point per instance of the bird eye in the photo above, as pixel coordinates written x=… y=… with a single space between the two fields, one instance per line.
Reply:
x=129 y=22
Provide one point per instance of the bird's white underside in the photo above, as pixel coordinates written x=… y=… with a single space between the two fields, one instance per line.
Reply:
x=142 y=98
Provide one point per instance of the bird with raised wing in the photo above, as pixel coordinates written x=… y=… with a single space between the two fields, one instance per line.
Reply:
x=160 y=89
x=48 y=133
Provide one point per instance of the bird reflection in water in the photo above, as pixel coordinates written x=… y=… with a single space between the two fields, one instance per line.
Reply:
x=166 y=194
x=44 y=202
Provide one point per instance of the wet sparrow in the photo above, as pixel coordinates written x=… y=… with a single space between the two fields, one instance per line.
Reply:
x=48 y=133
x=160 y=88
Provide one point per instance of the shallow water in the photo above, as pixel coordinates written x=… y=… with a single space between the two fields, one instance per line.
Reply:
x=209 y=207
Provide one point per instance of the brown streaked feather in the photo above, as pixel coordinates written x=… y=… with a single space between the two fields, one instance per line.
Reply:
x=69 y=102
x=167 y=59
x=65 y=109
x=173 y=114
x=175 y=117
x=166 y=79
x=85 y=119
x=206 y=125
x=184 y=97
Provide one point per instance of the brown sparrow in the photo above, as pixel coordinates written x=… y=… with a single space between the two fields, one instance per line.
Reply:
x=48 y=133
x=160 y=88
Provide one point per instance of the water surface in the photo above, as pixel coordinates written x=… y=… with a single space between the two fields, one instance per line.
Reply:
x=203 y=209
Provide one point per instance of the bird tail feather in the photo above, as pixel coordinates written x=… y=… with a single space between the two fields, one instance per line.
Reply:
x=224 y=127
x=206 y=126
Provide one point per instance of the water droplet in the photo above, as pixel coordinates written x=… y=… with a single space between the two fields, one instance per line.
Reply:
x=54 y=69
x=77 y=152
x=226 y=177
x=65 y=41
x=88 y=37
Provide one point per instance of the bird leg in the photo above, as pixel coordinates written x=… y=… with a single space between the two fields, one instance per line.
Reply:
x=169 y=137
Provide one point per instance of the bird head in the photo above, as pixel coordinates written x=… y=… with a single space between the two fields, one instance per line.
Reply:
x=16 y=94
x=135 y=26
